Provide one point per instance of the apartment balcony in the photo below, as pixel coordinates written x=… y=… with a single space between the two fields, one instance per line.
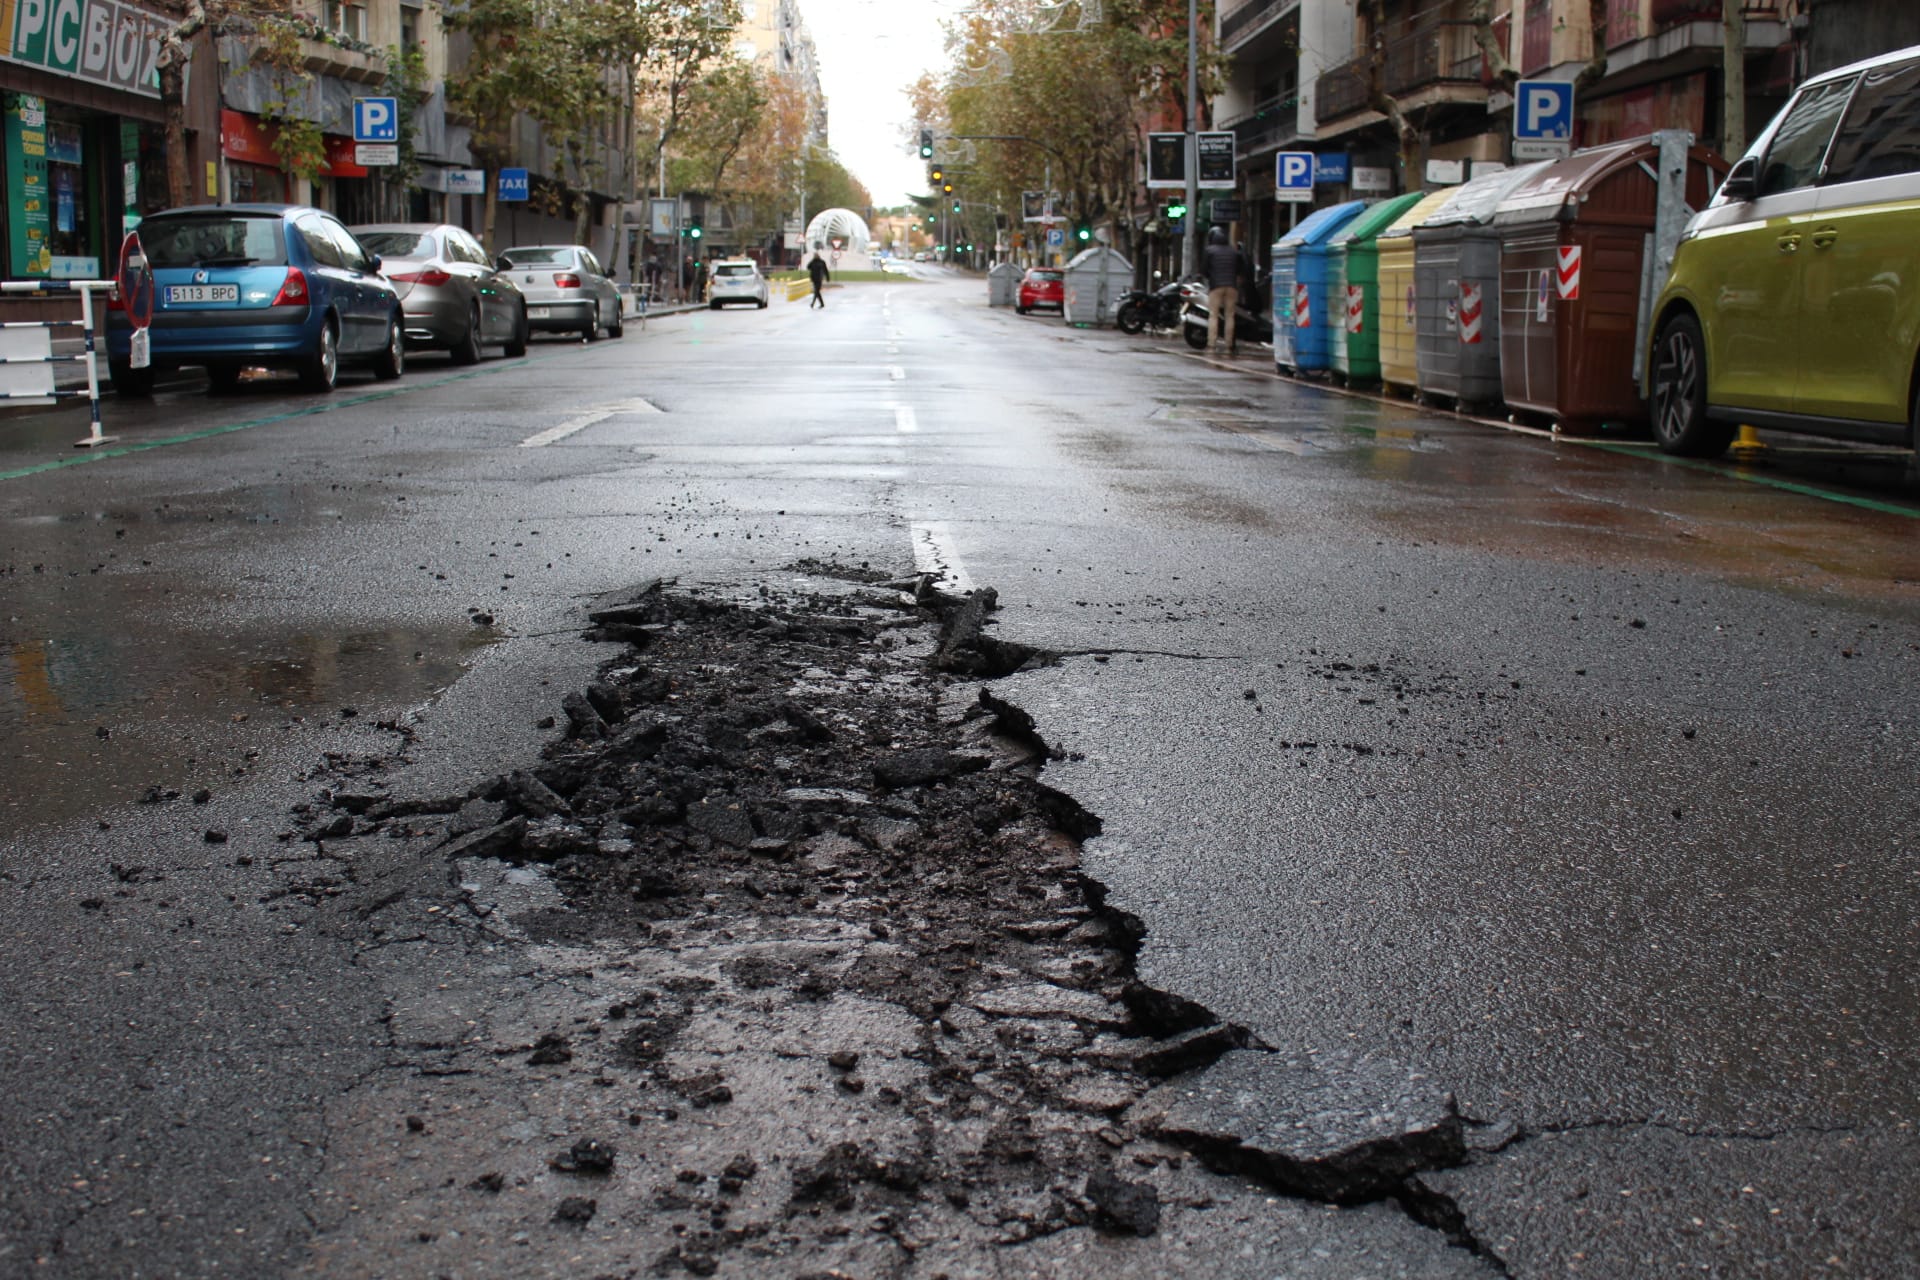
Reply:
x=1270 y=126
x=1241 y=23
x=330 y=53
x=1649 y=40
x=1439 y=62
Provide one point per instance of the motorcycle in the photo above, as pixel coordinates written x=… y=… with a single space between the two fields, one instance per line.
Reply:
x=1159 y=309
x=1249 y=324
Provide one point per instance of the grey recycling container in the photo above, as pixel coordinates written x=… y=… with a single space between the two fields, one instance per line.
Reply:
x=1003 y=281
x=1096 y=280
x=1456 y=256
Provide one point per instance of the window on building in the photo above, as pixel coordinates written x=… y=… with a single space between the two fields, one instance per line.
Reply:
x=349 y=20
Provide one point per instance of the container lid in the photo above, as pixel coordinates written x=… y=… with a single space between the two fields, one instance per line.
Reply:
x=1422 y=209
x=1091 y=258
x=1477 y=200
x=1542 y=198
x=1376 y=219
x=1321 y=224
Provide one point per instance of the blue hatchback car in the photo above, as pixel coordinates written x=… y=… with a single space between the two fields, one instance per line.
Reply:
x=249 y=285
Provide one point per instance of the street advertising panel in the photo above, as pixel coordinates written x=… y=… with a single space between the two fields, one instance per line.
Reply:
x=1166 y=161
x=1216 y=161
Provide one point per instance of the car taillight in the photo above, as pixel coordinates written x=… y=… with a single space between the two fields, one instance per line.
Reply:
x=433 y=277
x=566 y=280
x=293 y=290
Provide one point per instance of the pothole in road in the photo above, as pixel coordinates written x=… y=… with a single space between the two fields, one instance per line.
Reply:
x=824 y=990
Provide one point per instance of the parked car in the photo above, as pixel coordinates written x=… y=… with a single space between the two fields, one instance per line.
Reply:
x=566 y=289
x=896 y=267
x=1794 y=298
x=736 y=280
x=1042 y=287
x=454 y=298
x=259 y=285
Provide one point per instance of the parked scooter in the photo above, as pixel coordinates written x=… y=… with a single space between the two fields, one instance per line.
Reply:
x=1159 y=309
x=1249 y=324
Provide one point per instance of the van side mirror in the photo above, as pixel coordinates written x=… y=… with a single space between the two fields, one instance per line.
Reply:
x=1742 y=181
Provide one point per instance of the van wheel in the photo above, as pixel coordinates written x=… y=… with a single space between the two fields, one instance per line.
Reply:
x=1680 y=424
x=1913 y=459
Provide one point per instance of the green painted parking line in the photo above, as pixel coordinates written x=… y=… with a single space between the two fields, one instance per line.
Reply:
x=1771 y=482
x=328 y=405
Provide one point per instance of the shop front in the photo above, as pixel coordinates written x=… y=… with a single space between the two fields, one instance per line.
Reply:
x=256 y=175
x=85 y=147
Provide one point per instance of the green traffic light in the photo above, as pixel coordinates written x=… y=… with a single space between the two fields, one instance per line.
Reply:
x=956 y=206
x=1084 y=233
x=1176 y=211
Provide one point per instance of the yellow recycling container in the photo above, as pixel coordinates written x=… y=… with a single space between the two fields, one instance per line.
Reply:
x=1398 y=351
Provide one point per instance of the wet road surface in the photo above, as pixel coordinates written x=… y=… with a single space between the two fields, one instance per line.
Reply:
x=1578 y=777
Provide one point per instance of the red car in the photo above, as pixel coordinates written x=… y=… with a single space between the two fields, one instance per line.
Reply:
x=1042 y=287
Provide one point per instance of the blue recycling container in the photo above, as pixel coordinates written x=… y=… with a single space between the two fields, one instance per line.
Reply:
x=1302 y=341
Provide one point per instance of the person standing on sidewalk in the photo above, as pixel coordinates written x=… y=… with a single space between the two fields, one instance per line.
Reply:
x=1225 y=267
x=817 y=269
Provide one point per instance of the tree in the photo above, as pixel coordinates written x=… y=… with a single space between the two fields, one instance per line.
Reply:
x=191 y=19
x=691 y=41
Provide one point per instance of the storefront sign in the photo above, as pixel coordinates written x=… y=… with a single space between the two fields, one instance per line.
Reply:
x=466 y=182
x=1446 y=173
x=1215 y=152
x=244 y=138
x=29 y=217
x=1370 y=178
x=106 y=42
x=1330 y=168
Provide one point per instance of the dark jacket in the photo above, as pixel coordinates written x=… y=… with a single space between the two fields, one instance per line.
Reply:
x=818 y=270
x=1225 y=267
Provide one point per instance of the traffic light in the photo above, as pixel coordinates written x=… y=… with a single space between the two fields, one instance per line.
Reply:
x=1176 y=210
x=939 y=175
x=926 y=144
x=1082 y=232
x=946 y=188
x=693 y=230
x=956 y=206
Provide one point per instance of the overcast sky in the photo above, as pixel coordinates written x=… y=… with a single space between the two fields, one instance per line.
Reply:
x=870 y=51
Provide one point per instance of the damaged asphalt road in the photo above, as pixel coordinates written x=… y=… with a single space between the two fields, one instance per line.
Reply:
x=782 y=962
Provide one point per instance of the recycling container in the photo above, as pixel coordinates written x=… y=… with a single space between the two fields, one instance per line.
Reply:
x=1299 y=282
x=1096 y=280
x=1456 y=269
x=1395 y=309
x=1353 y=290
x=1003 y=280
x=1575 y=243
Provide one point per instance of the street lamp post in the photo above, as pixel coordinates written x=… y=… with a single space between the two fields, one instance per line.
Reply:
x=1190 y=242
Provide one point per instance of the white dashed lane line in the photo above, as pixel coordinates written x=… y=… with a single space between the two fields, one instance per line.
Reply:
x=585 y=420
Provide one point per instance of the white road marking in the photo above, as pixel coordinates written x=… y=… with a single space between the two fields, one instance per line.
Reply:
x=904 y=420
x=585 y=420
x=935 y=551
x=892 y=349
x=896 y=373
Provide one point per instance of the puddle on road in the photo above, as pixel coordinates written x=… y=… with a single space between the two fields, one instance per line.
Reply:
x=185 y=713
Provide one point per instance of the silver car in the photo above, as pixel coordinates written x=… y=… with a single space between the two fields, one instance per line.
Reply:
x=566 y=289
x=453 y=297
x=736 y=280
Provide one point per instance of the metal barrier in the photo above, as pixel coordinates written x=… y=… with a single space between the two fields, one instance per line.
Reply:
x=25 y=344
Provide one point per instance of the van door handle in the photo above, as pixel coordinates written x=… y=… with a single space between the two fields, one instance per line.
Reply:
x=1789 y=242
x=1824 y=237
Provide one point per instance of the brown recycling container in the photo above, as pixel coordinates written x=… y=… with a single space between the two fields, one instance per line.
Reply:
x=1574 y=242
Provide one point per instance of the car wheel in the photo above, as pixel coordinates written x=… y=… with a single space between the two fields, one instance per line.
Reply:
x=222 y=379
x=1019 y=310
x=129 y=381
x=392 y=360
x=618 y=329
x=762 y=304
x=1680 y=424
x=467 y=349
x=591 y=330
x=517 y=344
x=713 y=306
x=321 y=370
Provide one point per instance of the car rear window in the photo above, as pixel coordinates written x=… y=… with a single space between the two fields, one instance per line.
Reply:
x=399 y=244
x=539 y=257
x=1044 y=276
x=733 y=269
x=213 y=240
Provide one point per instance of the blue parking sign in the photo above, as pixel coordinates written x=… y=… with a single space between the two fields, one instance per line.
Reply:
x=376 y=120
x=1543 y=110
x=1293 y=177
x=1055 y=237
x=513 y=184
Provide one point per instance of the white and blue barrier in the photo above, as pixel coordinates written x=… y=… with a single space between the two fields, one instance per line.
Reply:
x=27 y=359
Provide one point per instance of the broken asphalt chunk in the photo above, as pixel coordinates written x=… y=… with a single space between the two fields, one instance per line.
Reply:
x=1044 y=1000
x=498 y=841
x=1121 y=1205
x=582 y=720
x=1342 y=1130
x=588 y=1157
x=535 y=798
x=921 y=767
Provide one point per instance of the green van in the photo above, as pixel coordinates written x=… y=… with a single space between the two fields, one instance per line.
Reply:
x=1794 y=299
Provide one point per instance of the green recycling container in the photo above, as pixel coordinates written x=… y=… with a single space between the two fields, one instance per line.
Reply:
x=1353 y=289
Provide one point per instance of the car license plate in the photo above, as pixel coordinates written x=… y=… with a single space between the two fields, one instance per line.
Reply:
x=203 y=293
x=537 y=313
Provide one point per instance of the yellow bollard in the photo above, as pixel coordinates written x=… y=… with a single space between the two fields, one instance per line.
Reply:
x=1747 y=445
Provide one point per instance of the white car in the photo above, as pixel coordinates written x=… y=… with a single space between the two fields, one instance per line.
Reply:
x=895 y=267
x=736 y=280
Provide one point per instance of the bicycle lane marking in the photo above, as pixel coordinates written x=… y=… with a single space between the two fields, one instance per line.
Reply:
x=307 y=411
